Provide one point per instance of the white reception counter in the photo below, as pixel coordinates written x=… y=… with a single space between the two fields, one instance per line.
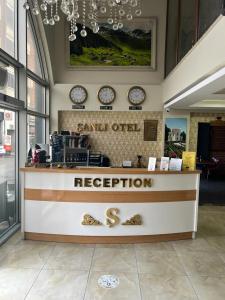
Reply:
x=109 y=205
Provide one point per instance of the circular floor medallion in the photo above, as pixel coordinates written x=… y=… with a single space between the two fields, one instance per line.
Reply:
x=108 y=281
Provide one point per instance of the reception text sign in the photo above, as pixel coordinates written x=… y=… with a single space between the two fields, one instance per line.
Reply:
x=112 y=182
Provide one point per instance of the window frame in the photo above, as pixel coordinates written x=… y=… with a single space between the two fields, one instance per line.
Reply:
x=36 y=78
x=16 y=32
x=18 y=104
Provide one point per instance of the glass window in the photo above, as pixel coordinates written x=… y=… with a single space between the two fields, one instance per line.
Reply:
x=7 y=80
x=209 y=10
x=7 y=26
x=35 y=130
x=33 y=58
x=171 y=40
x=8 y=207
x=35 y=96
x=187 y=26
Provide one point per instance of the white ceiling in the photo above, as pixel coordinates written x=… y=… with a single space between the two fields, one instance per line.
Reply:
x=207 y=94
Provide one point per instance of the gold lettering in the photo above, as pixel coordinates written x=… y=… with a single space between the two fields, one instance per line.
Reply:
x=78 y=182
x=111 y=217
x=106 y=182
x=102 y=127
x=130 y=182
x=115 y=127
x=122 y=126
x=93 y=127
x=137 y=182
x=86 y=127
x=147 y=182
x=124 y=180
x=106 y=127
x=80 y=127
x=95 y=184
x=87 y=182
x=136 y=127
x=130 y=127
x=115 y=181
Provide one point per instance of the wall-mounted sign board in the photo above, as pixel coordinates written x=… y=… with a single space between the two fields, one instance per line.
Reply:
x=150 y=130
x=135 y=107
x=78 y=106
x=106 y=107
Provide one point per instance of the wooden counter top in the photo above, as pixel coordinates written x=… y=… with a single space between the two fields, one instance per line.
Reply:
x=102 y=170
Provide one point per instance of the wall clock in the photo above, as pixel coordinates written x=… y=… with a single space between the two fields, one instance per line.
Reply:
x=106 y=95
x=136 y=95
x=78 y=94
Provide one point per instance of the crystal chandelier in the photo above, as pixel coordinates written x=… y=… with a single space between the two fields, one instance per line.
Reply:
x=86 y=12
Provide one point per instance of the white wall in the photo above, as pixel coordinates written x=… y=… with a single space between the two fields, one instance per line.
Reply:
x=65 y=78
x=61 y=101
x=204 y=58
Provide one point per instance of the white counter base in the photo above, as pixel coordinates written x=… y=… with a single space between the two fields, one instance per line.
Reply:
x=53 y=211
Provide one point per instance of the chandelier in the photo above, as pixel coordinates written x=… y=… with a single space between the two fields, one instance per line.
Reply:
x=86 y=12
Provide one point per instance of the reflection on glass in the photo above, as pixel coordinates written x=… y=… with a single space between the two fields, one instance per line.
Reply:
x=209 y=10
x=171 y=40
x=35 y=130
x=33 y=59
x=35 y=96
x=8 y=211
x=7 y=26
x=187 y=26
x=9 y=88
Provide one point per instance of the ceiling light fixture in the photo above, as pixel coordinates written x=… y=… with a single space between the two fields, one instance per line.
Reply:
x=87 y=12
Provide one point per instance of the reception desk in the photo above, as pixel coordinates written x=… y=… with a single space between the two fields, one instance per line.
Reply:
x=108 y=205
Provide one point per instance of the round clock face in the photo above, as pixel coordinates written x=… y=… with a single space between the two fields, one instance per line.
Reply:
x=136 y=95
x=106 y=95
x=78 y=94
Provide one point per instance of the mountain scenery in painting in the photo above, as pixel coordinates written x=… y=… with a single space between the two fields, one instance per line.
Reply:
x=123 y=47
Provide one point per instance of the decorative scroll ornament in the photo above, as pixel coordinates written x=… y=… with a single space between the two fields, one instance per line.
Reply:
x=89 y=220
x=135 y=220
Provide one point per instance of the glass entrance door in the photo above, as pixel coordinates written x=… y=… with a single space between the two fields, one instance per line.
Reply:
x=8 y=171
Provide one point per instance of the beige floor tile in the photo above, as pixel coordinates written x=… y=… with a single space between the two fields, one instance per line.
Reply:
x=211 y=224
x=198 y=244
x=70 y=257
x=75 y=245
x=27 y=256
x=69 y=249
x=18 y=236
x=212 y=208
x=120 y=246
x=15 y=283
x=164 y=246
x=5 y=249
x=59 y=285
x=217 y=243
x=34 y=243
x=128 y=288
x=9 y=244
x=112 y=259
x=208 y=287
x=166 y=287
x=203 y=263
x=159 y=262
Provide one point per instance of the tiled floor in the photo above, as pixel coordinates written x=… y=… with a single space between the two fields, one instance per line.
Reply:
x=184 y=270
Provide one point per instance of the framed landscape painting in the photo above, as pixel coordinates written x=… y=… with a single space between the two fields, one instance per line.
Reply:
x=132 y=46
x=175 y=137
